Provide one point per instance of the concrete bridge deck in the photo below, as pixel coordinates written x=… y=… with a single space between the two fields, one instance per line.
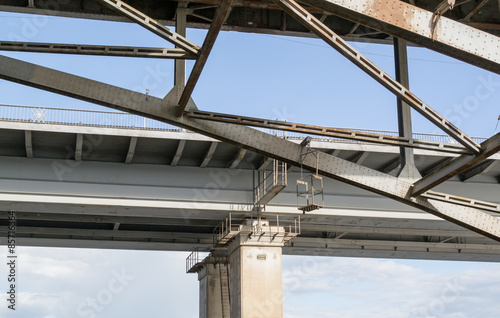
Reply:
x=163 y=188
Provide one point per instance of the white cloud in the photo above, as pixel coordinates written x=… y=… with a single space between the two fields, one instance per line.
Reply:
x=343 y=287
x=55 y=282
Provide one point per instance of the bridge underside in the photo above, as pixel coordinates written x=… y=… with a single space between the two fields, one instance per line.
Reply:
x=107 y=196
x=96 y=187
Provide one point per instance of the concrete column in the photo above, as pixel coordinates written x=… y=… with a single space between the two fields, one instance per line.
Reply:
x=214 y=302
x=256 y=281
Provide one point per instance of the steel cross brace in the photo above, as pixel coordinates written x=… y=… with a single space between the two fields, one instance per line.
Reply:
x=272 y=146
x=335 y=41
x=151 y=24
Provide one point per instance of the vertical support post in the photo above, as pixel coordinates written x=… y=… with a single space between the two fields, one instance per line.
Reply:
x=214 y=286
x=180 y=28
x=408 y=168
x=256 y=272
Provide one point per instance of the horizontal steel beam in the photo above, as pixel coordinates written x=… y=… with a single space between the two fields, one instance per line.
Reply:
x=151 y=25
x=413 y=24
x=402 y=92
x=328 y=132
x=91 y=233
x=272 y=146
x=124 y=51
x=456 y=166
x=481 y=205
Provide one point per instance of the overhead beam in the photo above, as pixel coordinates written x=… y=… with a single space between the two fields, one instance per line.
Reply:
x=456 y=166
x=475 y=10
x=413 y=24
x=81 y=49
x=402 y=92
x=209 y=155
x=328 y=132
x=28 y=143
x=220 y=17
x=391 y=166
x=267 y=161
x=272 y=146
x=360 y=157
x=151 y=25
x=238 y=158
x=437 y=166
x=131 y=150
x=126 y=235
x=79 y=147
x=178 y=153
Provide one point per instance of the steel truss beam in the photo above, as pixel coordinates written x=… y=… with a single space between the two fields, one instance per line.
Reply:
x=123 y=51
x=456 y=166
x=278 y=148
x=151 y=24
x=327 y=131
x=220 y=17
x=335 y=41
x=481 y=205
x=413 y=24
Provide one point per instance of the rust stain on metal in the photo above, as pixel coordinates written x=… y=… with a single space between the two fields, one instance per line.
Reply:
x=392 y=12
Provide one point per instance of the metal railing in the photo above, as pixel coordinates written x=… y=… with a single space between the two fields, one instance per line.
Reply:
x=271 y=183
x=113 y=119
x=91 y=118
x=193 y=259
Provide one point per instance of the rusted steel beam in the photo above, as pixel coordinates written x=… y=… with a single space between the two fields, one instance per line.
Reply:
x=151 y=25
x=219 y=19
x=455 y=199
x=413 y=24
x=124 y=51
x=335 y=41
x=327 y=131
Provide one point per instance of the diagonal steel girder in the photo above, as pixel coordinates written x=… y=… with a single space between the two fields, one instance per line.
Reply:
x=456 y=166
x=272 y=146
x=220 y=17
x=335 y=41
x=413 y=24
x=151 y=25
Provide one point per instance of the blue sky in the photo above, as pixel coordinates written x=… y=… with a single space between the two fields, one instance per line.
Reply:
x=297 y=79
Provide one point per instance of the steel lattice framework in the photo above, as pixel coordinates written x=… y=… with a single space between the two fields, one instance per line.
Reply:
x=478 y=45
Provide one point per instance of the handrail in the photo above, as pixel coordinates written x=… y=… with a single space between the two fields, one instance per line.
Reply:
x=113 y=119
